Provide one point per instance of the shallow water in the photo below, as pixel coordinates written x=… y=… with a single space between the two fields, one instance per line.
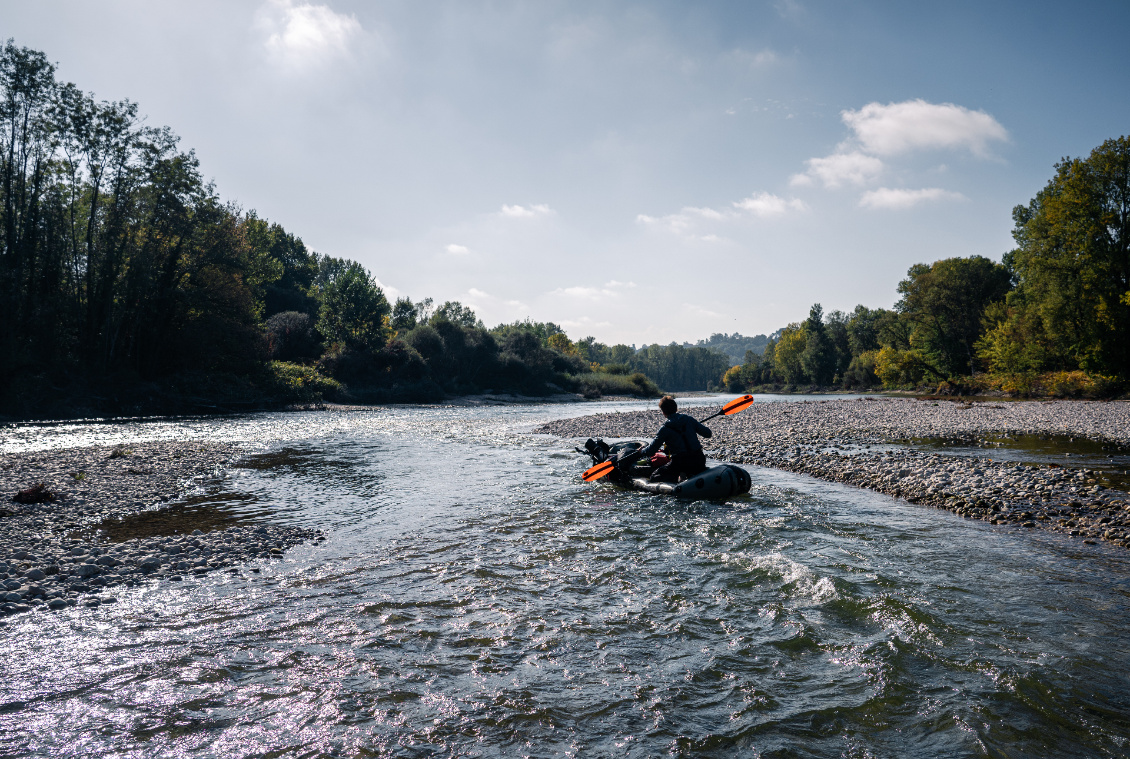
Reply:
x=1110 y=462
x=474 y=598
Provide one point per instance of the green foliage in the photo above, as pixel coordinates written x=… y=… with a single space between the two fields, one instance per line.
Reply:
x=818 y=358
x=456 y=313
x=289 y=269
x=295 y=383
x=900 y=368
x=599 y=384
x=290 y=337
x=353 y=310
x=1012 y=342
x=860 y=374
x=735 y=346
x=675 y=367
x=1072 y=262
x=787 y=365
x=945 y=301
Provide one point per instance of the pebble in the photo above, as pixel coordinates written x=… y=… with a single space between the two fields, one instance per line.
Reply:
x=52 y=557
x=831 y=439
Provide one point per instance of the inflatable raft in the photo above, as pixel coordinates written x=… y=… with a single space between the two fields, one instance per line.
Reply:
x=715 y=483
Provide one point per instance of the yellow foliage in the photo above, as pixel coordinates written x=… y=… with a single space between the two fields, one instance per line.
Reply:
x=561 y=343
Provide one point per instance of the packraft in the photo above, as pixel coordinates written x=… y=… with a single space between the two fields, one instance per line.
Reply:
x=714 y=483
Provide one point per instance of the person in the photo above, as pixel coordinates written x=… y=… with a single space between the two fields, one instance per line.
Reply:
x=680 y=434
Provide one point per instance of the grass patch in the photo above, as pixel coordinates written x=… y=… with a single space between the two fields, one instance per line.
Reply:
x=296 y=383
x=599 y=384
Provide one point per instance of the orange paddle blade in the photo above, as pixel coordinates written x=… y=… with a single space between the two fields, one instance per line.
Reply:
x=598 y=471
x=738 y=404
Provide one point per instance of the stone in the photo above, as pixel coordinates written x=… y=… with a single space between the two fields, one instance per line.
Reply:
x=36 y=575
x=57 y=603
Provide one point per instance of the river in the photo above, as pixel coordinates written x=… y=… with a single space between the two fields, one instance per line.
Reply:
x=474 y=598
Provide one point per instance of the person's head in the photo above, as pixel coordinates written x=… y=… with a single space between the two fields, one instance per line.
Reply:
x=667 y=405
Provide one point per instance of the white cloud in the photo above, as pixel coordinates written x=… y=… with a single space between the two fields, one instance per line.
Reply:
x=915 y=124
x=475 y=292
x=766 y=204
x=304 y=34
x=615 y=283
x=457 y=250
x=584 y=293
x=526 y=212
x=700 y=311
x=894 y=199
x=839 y=169
x=762 y=205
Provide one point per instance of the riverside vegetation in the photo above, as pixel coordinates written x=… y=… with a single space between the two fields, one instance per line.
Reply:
x=130 y=287
x=1053 y=319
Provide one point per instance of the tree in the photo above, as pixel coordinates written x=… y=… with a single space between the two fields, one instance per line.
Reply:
x=353 y=309
x=787 y=364
x=456 y=313
x=1072 y=260
x=945 y=301
x=818 y=358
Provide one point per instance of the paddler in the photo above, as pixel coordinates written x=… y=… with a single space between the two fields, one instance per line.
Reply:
x=680 y=434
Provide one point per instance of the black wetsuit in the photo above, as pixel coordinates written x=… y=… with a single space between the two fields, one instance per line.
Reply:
x=680 y=432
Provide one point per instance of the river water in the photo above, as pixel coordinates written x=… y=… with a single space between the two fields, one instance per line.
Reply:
x=474 y=598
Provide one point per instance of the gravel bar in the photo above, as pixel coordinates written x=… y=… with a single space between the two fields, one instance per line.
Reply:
x=831 y=440
x=51 y=555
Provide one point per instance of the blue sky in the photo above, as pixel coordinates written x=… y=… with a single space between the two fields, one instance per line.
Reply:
x=640 y=172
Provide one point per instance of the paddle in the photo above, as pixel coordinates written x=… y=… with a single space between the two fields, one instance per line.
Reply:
x=733 y=407
x=597 y=471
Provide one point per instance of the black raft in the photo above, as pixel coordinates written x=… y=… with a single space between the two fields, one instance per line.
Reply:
x=716 y=483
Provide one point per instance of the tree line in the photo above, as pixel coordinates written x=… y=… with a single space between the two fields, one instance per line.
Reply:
x=125 y=277
x=1052 y=318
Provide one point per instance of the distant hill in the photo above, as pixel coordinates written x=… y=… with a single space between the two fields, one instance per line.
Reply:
x=734 y=345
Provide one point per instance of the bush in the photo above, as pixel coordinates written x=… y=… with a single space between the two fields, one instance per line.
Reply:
x=861 y=372
x=599 y=384
x=290 y=336
x=295 y=383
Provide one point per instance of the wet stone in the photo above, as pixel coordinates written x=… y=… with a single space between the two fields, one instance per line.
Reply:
x=117 y=527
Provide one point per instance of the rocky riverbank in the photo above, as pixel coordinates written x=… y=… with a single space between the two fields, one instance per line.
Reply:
x=52 y=554
x=835 y=440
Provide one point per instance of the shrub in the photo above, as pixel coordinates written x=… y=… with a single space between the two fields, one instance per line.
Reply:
x=290 y=336
x=296 y=383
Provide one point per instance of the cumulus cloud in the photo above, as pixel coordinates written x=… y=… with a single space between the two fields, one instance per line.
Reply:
x=839 y=169
x=882 y=132
x=526 y=212
x=897 y=128
x=457 y=250
x=887 y=198
x=475 y=292
x=584 y=293
x=685 y=223
x=304 y=34
x=766 y=204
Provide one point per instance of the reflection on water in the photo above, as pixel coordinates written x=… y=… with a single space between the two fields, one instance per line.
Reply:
x=475 y=598
x=1110 y=461
x=215 y=511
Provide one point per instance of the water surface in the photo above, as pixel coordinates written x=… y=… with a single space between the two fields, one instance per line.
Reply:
x=474 y=598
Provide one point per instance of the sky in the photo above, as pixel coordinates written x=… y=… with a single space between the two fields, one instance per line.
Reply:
x=637 y=172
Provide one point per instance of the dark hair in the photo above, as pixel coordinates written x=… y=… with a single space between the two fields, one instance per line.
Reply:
x=667 y=405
